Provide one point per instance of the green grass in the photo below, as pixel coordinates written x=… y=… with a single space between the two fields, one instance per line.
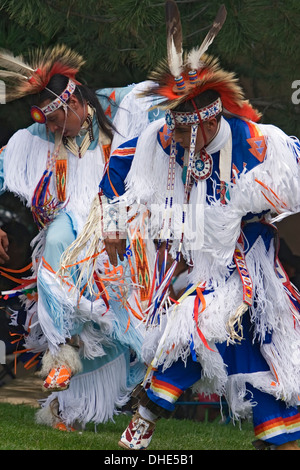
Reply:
x=18 y=431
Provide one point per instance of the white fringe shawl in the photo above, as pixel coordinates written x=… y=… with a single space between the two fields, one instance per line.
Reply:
x=25 y=161
x=278 y=193
x=271 y=186
x=146 y=181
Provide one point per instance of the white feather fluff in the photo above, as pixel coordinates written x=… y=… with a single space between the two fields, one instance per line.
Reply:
x=175 y=60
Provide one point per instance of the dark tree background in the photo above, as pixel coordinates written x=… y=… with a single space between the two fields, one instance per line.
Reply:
x=122 y=40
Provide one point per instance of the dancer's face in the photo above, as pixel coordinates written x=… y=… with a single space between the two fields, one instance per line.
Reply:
x=70 y=121
x=182 y=134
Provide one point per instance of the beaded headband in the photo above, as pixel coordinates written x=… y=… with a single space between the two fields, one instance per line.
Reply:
x=40 y=114
x=189 y=119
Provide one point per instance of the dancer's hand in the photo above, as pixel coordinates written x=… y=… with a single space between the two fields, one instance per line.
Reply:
x=115 y=247
x=3 y=247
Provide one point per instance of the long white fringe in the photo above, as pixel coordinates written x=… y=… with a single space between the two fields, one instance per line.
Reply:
x=94 y=396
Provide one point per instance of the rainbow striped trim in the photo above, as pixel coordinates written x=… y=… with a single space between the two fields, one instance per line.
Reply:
x=277 y=426
x=165 y=390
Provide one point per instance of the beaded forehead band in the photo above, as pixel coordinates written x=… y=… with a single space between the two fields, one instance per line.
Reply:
x=189 y=119
x=40 y=114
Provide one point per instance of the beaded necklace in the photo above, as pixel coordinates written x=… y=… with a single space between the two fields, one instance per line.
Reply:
x=162 y=277
x=44 y=206
x=87 y=130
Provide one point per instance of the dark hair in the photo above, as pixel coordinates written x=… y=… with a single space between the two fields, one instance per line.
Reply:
x=201 y=100
x=58 y=83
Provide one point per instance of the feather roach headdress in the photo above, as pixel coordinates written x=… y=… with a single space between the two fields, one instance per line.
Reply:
x=183 y=76
x=28 y=78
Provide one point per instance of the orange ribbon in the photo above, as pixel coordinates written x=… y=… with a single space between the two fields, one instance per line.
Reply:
x=200 y=298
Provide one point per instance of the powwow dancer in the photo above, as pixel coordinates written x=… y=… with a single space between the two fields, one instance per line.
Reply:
x=223 y=180
x=212 y=179
x=55 y=166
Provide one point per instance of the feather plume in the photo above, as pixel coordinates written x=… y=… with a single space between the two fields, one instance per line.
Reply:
x=8 y=75
x=58 y=60
x=9 y=81
x=174 y=38
x=14 y=64
x=194 y=57
x=22 y=79
x=14 y=72
x=59 y=56
x=210 y=75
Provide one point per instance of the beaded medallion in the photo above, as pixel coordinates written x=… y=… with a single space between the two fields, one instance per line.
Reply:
x=202 y=166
